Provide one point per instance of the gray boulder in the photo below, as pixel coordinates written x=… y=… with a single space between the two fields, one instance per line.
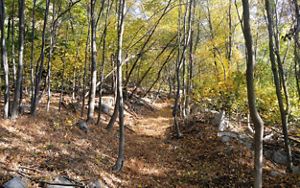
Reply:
x=16 y=182
x=83 y=125
x=280 y=157
x=296 y=170
x=268 y=154
x=274 y=173
x=105 y=108
x=225 y=139
x=61 y=180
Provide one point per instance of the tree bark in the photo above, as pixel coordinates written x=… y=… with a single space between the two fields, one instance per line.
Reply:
x=52 y=38
x=86 y=57
x=256 y=119
x=4 y=60
x=93 y=82
x=297 y=46
x=283 y=112
x=190 y=58
x=18 y=83
x=176 y=108
x=32 y=51
x=13 y=54
x=120 y=160
x=63 y=75
x=40 y=68
x=103 y=60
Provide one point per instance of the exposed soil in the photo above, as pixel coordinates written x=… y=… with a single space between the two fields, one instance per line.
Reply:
x=50 y=144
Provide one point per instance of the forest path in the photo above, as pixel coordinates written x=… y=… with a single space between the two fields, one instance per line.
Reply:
x=54 y=145
x=155 y=123
x=155 y=158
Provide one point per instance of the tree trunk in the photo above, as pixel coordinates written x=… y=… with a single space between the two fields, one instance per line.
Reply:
x=18 y=83
x=119 y=163
x=190 y=65
x=4 y=60
x=297 y=46
x=229 y=45
x=142 y=50
x=114 y=116
x=52 y=36
x=256 y=119
x=62 y=83
x=176 y=108
x=283 y=113
x=93 y=82
x=13 y=54
x=32 y=51
x=102 y=61
x=86 y=57
x=170 y=56
x=41 y=66
x=63 y=75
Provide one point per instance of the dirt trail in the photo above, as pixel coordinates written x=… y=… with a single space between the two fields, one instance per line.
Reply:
x=155 y=123
x=53 y=145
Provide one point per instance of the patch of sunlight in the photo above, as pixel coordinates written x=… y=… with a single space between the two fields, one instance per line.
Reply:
x=19 y=133
x=156 y=126
x=82 y=143
x=143 y=168
x=111 y=180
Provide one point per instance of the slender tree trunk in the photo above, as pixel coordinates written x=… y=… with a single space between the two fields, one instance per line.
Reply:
x=256 y=119
x=142 y=50
x=62 y=82
x=184 y=58
x=52 y=38
x=13 y=54
x=41 y=66
x=18 y=83
x=297 y=46
x=190 y=53
x=114 y=116
x=63 y=75
x=176 y=108
x=4 y=60
x=168 y=59
x=86 y=57
x=119 y=163
x=151 y=67
x=74 y=85
x=229 y=45
x=276 y=77
x=212 y=37
x=102 y=61
x=92 y=95
x=113 y=77
x=297 y=71
x=32 y=51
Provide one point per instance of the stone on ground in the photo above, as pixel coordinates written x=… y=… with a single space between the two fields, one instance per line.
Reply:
x=280 y=157
x=83 y=125
x=16 y=182
x=61 y=180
